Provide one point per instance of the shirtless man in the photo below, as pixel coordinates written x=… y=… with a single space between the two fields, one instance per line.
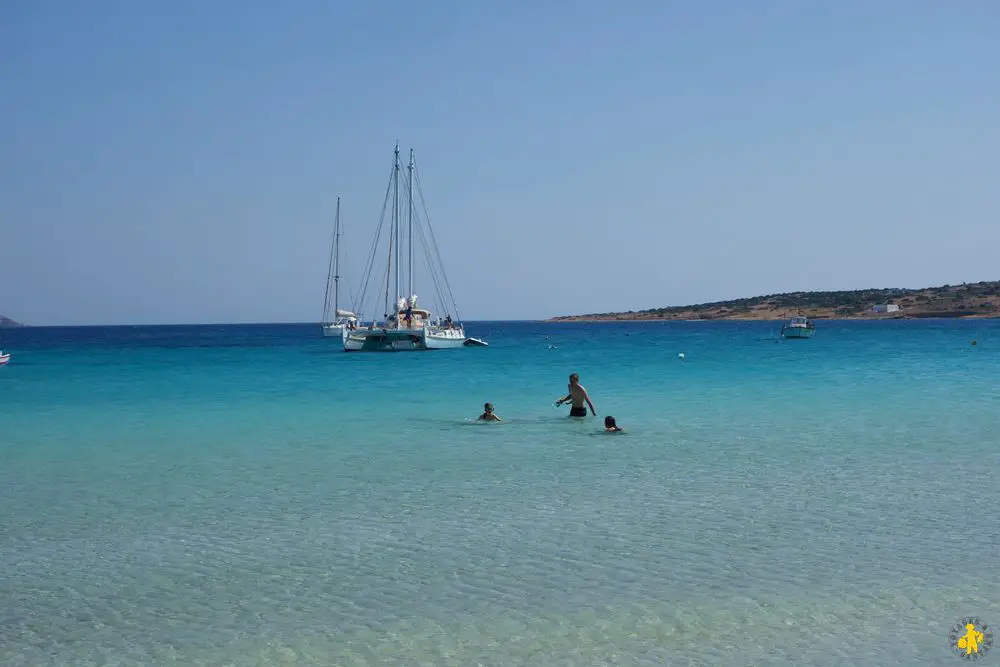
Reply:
x=577 y=394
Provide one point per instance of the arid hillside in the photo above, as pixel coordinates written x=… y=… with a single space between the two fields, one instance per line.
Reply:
x=966 y=300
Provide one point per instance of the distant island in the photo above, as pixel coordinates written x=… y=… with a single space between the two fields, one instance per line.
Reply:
x=7 y=323
x=965 y=300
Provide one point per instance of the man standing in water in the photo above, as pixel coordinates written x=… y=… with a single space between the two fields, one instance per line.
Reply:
x=577 y=394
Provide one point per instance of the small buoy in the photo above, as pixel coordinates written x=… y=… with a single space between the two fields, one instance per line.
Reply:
x=680 y=355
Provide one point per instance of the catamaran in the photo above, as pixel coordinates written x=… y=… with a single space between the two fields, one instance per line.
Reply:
x=334 y=324
x=405 y=325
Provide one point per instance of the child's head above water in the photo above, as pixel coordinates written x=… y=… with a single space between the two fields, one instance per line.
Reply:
x=488 y=414
x=610 y=425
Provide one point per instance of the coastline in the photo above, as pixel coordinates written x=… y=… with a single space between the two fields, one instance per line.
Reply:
x=611 y=320
x=777 y=318
x=966 y=301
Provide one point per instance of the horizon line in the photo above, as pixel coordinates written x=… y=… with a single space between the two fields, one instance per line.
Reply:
x=582 y=320
x=22 y=325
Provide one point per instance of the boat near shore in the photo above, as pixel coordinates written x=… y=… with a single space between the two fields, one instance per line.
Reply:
x=799 y=327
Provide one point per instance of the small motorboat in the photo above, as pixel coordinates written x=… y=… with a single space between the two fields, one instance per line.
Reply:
x=799 y=327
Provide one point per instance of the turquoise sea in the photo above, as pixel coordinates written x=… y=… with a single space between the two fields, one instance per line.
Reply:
x=252 y=495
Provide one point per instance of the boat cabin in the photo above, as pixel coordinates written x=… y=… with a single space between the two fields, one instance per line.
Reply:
x=418 y=316
x=801 y=321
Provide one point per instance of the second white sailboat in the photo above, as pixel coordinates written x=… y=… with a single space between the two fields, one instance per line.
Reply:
x=335 y=323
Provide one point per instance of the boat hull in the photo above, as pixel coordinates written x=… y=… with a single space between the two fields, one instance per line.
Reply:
x=444 y=339
x=333 y=330
x=797 y=332
x=403 y=340
x=4 y=358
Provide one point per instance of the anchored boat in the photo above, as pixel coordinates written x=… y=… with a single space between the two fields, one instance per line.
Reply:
x=4 y=356
x=799 y=327
x=336 y=321
x=405 y=324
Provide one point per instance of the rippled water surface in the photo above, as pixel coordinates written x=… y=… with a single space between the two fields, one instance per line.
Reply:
x=250 y=495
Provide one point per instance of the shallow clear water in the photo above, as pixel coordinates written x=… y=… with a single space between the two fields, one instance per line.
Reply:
x=251 y=495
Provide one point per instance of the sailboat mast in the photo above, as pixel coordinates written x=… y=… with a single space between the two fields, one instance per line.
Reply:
x=336 y=265
x=409 y=232
x=395 y=227
x=329 y=274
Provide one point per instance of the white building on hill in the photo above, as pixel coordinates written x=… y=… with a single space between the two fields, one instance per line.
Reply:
x=886 y=308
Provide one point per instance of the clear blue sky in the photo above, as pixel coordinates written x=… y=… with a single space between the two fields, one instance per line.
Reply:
x=179 y=162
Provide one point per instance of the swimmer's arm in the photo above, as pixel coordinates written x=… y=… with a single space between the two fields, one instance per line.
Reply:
x=586 y=397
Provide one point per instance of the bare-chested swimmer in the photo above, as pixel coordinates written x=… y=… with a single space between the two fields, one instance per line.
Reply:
x=577 y=395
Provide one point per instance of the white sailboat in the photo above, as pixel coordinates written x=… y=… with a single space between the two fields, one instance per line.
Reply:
x=4 y=356
x=335 y=323
x=406 y=326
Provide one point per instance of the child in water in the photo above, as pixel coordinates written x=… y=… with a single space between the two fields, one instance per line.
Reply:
x=488 y=414
x=610 y=425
